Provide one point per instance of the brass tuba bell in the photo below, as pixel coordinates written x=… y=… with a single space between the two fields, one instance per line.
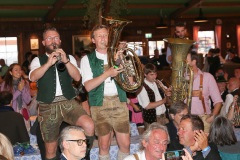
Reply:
x=131 y=79
x=182 y=74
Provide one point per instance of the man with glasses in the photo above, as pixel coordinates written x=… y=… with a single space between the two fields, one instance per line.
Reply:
x=72 y=143
x=180 y=32
x=56 y=95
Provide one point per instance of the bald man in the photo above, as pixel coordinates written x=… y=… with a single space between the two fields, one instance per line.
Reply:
x=233 y=89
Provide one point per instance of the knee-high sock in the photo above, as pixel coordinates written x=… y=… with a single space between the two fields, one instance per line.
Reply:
x=90 y=140
x=104 y=157
x=122 y=155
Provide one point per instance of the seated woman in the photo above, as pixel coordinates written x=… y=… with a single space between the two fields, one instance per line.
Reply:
x=234 y=111
x=15 y=83
x=19 y=87
x=176 y=112
x=222 y=134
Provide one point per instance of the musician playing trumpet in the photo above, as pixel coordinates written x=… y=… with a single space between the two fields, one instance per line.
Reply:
x=152 y=98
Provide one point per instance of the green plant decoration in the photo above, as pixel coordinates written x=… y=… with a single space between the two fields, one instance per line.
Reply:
x=96 y=8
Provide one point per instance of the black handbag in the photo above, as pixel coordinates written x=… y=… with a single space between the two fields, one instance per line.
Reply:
x=139 y=107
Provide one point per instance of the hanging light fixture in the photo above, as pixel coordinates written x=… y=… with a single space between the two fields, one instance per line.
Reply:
x=161 y=24
x=200 y=18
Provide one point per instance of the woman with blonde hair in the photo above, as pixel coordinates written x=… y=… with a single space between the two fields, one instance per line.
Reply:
x=6 y=148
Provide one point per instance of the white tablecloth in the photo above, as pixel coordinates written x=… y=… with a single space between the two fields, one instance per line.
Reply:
x=34 y=156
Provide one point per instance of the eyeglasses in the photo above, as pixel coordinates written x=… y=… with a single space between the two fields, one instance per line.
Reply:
x=79 y=141
x=49 y=39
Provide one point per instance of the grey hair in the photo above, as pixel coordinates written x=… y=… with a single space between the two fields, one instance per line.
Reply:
x=65 y=134
x=147 y=133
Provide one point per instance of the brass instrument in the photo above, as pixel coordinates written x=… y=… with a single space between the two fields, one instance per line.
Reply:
x=131 y=79
x=161 y=85
x=182 y=74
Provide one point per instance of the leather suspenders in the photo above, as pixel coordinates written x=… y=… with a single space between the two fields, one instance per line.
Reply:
x=199 y=93
x=201 y=97
x=136 y=156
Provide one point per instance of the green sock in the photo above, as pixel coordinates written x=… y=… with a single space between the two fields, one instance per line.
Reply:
x=90 y=140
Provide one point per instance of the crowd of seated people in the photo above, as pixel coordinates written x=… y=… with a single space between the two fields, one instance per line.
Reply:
x=162 y=128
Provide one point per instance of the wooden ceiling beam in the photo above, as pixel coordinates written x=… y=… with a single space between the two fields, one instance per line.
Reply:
x=133 y=18
x=191 y=4
x=20 y=7
x=39 y=7
x=78 y=6
x=220 y=5
x=57 y=6
x=130 y=6
x=25 y=19
x=142 y=6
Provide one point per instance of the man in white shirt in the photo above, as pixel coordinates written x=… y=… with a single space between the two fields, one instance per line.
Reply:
x=154 y=143
x=107 y=100
x=56 y=95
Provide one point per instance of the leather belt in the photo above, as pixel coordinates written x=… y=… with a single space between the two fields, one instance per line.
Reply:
x=59 y=99
x=110 y=97
x=195 y=93
x=56 y=99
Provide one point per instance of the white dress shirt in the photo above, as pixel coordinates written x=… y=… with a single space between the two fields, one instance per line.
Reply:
x=141 y=156
x=110 y=88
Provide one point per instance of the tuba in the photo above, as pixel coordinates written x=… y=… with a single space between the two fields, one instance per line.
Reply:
x=131 y=79
x=182 y=74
